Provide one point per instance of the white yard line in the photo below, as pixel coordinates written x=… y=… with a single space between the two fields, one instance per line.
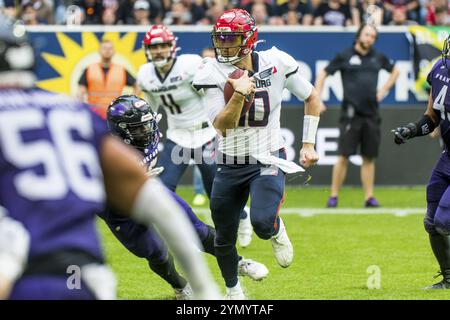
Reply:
x=308 y=212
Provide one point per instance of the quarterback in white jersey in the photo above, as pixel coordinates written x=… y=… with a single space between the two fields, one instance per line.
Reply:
x=253 y=158
x=167 y=82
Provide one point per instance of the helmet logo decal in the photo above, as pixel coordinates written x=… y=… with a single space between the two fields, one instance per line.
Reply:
x=139 y=104
x=146 y=117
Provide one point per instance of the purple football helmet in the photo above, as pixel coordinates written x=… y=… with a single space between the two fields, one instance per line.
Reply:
x=132 y=119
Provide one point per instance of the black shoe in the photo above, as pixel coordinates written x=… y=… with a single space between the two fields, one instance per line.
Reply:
x=444 y=284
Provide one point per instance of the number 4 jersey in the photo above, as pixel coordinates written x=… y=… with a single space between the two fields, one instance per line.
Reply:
x=439 y=79
x=188 y=123
x=50 y=175
x=258 y=132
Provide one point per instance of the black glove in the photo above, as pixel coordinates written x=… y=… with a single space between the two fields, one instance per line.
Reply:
x=401 y=134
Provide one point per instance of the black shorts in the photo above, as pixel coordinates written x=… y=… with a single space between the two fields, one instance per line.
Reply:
x=364 y=131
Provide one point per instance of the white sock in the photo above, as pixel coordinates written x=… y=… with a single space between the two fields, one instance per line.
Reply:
x=236 y=289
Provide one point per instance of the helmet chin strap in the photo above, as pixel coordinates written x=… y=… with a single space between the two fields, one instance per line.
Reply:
x=161 y=63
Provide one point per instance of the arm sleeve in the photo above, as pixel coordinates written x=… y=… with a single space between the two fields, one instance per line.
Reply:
x=299 y=86
x=334 y=65
x=386 y=63
x=83 y=79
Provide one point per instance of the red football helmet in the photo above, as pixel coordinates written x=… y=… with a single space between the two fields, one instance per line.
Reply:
x=235 y=28
x=159 y=34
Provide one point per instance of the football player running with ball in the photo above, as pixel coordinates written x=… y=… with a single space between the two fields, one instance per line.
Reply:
x=167 y=81
x=251 y=160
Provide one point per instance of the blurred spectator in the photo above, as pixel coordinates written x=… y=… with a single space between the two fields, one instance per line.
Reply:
x=92 y=10
x=333 y=13
x=295 y=12
x=184 y=12
x=248 y=5
x=125 y=12
x=29 y=15
x=111 y=4
x=43 y=8
x=8 y=7
x=369 y=11
x=197 y=12
x=259 y=12
x=399 y=18
x=178 y=14
x=215 y=10
x=109 y=17
x=438 y=13
x=412 y=8
x=141 y=12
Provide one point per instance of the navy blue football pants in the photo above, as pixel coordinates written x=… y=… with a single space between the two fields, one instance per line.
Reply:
x=232 y=186
x=173 y=170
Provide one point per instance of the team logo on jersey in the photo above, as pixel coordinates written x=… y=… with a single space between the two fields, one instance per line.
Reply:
x=267 y=73
x=175 y=79
x=355 y=60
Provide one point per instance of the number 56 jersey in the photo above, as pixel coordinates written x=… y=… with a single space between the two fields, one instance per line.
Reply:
x=50 y=174
x=188 y=123
x=258 y=131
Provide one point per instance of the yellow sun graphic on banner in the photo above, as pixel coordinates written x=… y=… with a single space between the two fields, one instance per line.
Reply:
x=77 y=57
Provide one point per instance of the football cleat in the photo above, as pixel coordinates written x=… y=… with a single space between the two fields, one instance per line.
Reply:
x=184 y=294
x=438 y=286
x=371 y=203
x=252 y=269
x=245 y=230
x=235 y=294
x=332 y=202
x=444 y=284
x=282 y=247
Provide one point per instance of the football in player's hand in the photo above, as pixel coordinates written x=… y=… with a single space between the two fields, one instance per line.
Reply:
x=229 y=90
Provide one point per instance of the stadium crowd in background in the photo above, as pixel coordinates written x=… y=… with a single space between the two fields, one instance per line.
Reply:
x=204 y=12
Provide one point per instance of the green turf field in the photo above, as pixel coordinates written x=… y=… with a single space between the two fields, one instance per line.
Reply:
x=332 y=252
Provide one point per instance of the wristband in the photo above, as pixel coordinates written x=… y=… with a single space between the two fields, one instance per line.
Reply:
x=310 y=124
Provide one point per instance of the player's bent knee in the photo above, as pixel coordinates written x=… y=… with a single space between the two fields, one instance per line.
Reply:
x=158 y=256
x=263 y=225
x=428 y=223
x=442 y=220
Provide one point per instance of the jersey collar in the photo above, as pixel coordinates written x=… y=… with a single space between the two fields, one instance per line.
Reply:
x=161 y=78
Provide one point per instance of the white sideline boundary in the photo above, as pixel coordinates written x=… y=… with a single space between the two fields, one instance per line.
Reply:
x=309 y=212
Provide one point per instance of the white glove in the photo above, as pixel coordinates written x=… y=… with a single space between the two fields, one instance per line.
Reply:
x=14 y=246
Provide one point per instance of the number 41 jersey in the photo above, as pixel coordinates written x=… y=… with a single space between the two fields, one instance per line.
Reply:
x=187 y=120
x=439 y=79
x=258 y=131
x=50 y=174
